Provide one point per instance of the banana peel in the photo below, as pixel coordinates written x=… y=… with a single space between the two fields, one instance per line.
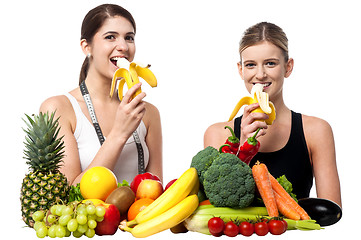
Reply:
x=265 y=106
x=129 y=73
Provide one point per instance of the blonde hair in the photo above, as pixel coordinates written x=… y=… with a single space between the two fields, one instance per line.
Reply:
x=264 y=31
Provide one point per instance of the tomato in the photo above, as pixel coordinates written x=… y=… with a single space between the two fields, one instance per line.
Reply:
x=216 y=226
x=286 y=224
x=246 y=229
x=276 y=227
x=231 y=229
x=261 y=228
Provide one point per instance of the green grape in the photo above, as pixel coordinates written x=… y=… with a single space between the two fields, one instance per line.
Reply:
x=42 y=232
x=59 y=210
x=68 y=210
x=67 y=232
x=60 y=231
x=82 y=219
x=64 y=219
x=92 y=224
x=77 y=234
x=90 y=209
x=72 y=225
x=90 y=233
x=38 y=216
x=52 y=231
x=53 y=209
x=82 y=211
x=82 y=228
x=100 y=211
x=92 y=217
x=51 y=218
x=37 y=225
x=99 y=219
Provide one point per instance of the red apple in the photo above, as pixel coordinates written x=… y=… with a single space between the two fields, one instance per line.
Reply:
x=149 y=188
x=169 y=184
x=111 y=221
x=139 y=178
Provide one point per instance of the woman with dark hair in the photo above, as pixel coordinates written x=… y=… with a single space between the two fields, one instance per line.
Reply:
x=125 y=136
x=298 y=146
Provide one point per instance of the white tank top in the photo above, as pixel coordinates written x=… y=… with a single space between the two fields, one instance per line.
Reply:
x=88 y=145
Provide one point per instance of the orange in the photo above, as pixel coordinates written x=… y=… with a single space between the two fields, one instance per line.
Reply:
x=138 y=206
x=98 y=182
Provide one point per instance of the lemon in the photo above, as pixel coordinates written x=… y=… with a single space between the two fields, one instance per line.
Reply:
x=98 y=182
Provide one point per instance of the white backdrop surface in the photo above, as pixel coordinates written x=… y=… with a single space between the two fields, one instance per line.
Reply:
x=193 y=49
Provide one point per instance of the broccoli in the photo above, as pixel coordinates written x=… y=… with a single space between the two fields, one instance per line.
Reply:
x=228 y=182
x=203 y=160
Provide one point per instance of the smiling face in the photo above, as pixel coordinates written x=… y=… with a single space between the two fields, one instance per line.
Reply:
x=115 y=39
x=265 y=63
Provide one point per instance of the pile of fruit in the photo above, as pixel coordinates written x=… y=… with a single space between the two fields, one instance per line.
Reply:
x=213 y=196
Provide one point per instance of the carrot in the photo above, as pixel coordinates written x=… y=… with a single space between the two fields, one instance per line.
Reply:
x=285 y=208
x=261 y=177
x=288 y=199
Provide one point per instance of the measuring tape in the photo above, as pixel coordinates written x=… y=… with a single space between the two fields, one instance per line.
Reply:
x=84 y=91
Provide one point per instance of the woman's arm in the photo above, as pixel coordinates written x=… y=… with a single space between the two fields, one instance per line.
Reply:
x=321 y=145
x=154 y=140
x=128 y=116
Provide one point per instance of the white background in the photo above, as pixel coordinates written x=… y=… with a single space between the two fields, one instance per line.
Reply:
x=193 y=49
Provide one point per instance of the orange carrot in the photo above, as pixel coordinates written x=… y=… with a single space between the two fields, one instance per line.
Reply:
x=288 y=199
x=285 y=209
x=260 y=175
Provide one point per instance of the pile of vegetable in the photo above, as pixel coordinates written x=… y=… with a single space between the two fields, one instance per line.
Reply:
x=226 y=181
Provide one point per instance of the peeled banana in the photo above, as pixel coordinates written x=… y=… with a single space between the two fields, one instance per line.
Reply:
x=166 y=220
x=265 y=106
x=129 y=73
x=180 y=189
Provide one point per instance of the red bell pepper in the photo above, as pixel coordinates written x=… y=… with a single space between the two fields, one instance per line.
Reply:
x=232 y=143
x=140 y=177
x=249 y=148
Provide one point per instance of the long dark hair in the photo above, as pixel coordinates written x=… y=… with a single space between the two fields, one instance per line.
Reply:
x=93 y=21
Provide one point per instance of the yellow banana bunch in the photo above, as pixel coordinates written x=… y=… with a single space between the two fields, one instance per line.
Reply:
x=129 y=73
x=166 y=220
x=176 y=204
x=265 y=106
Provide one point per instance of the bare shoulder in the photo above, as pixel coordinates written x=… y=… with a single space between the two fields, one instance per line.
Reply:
x=216 y=134
x=317 y=131
x=315 y=125
x=151 y=115
x=62 y=107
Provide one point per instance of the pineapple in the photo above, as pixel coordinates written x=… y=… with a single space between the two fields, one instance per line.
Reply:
x=45 y=185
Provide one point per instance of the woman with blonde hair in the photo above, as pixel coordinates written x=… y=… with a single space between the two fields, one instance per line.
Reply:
x=296 y=145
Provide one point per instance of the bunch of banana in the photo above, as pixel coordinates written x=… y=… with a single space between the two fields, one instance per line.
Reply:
x=265 y=106
x=129 y=73
x=176 y=204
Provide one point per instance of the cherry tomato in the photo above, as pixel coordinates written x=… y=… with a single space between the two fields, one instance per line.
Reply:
x=286 y=225
x=261 y=228
x=231 y=229
x=246 y=229
x=216 y=226
x=276 y=227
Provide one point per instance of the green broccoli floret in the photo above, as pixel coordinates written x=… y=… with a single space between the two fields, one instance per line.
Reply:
x=203 y=160
x=228 y=182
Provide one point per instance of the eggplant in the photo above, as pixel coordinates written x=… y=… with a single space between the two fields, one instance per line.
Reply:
x=324 y=211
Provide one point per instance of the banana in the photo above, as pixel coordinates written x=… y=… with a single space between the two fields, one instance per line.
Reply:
x=129 y=73
x=265 y=106
x=180 y=189
x=166 y=220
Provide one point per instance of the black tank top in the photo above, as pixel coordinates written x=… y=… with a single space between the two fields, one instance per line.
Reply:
x=292 y=160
